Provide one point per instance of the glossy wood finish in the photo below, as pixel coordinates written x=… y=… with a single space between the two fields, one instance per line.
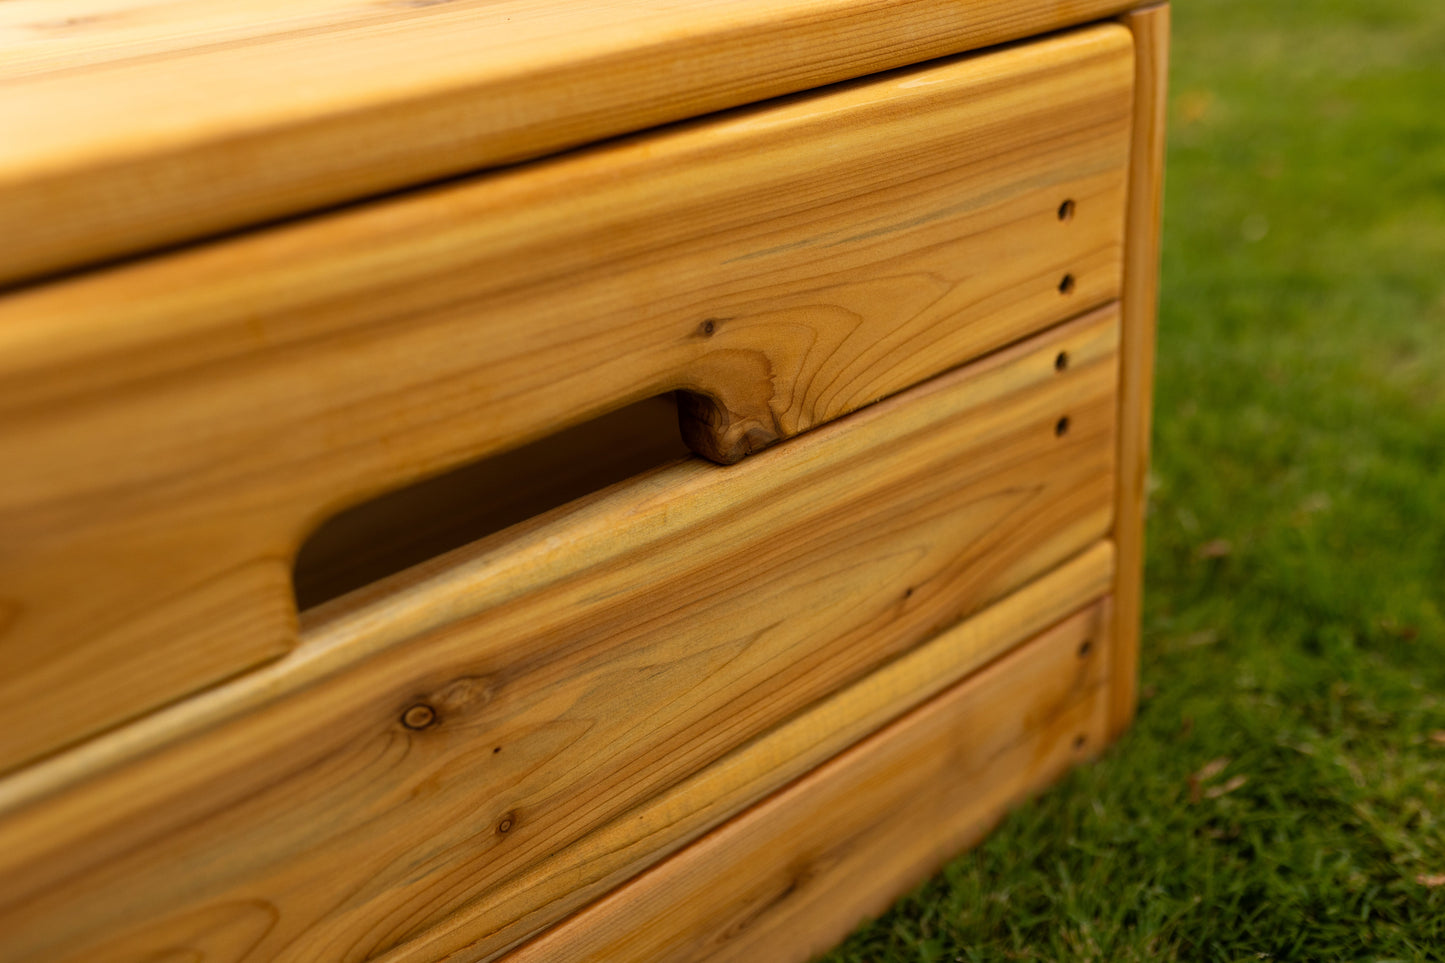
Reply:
x=173 y=429
x=791 y=877
x=458 y=757
x=131 y=124
x=1150 y=27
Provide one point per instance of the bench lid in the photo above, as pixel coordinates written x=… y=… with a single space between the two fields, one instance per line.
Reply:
x=130 y=125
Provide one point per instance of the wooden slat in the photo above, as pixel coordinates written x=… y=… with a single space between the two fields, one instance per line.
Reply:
x=790 y=877
x=172 y=430
x=600 y=686
x=129 y=124
x=1136 y=372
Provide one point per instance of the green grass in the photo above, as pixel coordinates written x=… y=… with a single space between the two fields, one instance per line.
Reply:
x=1300 y=432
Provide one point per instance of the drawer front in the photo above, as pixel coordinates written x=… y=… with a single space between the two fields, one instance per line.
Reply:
x=457 y=757
x=175 y=427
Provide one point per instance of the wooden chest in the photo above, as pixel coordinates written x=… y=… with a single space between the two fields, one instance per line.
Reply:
x=556 y=480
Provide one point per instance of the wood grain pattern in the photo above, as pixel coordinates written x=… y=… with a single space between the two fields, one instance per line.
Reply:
x=789 y=878
x=131 y=124
x=500 y=735
x=626 y=846
x=1136 y=373
x=173 y=429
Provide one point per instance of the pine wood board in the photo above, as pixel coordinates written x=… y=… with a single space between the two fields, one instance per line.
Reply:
x=134 y=124
x=792 y=876
x=174 y=428
x=603 y=684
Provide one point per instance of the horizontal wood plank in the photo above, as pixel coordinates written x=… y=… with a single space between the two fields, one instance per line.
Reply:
x=457 y=757
x=793 y=875
x=173 y=429
x=131 y=124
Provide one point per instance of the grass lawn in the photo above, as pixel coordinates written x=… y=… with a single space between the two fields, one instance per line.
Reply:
x=1294 y=631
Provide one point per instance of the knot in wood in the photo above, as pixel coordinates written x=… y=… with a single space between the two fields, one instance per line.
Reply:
x=419 y=716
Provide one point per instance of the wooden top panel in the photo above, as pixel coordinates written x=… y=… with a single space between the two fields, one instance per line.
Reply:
x=134 y=124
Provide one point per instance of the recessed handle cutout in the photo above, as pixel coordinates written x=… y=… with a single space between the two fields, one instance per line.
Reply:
x=403 y=528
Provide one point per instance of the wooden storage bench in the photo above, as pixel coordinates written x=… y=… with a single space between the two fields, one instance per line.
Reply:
x=556 y=480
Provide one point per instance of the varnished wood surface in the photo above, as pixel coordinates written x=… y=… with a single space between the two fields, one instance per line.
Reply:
x=456 y=758
x=173 y=429
x=1150 y=27
x=130 y=124
x=792 y=876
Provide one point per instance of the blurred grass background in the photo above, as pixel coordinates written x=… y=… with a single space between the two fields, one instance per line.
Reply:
x=1280 y=796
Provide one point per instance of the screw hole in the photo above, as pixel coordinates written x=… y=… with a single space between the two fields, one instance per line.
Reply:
x=1061 y=361
x=1066 y=284
x=1084 y=648
x=1079 y=742
x=1066 y=210
x=1061 y=427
